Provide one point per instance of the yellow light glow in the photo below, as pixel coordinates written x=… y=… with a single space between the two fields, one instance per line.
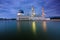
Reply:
x=44 y=25
x=34 y=26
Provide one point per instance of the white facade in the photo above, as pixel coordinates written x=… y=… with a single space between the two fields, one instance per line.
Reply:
x=20 y=16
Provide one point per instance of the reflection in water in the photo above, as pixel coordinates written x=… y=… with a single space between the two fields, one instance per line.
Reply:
x=34 y=27
x=44 y=25
x=18 y=25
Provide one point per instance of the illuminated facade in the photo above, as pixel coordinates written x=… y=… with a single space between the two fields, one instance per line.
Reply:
x=43 y=13
x=20 y=15
x=33 y=12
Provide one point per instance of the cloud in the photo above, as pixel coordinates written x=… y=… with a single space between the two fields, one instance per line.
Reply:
x=11 y=7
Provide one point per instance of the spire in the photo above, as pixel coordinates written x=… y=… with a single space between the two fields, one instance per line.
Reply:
x=43 y=14
x=33 y=11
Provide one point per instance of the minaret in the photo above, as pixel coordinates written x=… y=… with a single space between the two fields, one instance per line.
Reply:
x=33 y=11
x=43 y=14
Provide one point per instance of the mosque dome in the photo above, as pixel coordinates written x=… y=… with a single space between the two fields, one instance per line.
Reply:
x=20 y=11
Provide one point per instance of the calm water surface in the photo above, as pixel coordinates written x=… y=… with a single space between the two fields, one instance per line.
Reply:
x=29 y=30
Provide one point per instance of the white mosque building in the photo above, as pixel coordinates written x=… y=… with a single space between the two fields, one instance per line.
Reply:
x=21 y=16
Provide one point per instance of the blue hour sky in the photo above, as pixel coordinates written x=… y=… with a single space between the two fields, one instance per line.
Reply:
x=9 y=8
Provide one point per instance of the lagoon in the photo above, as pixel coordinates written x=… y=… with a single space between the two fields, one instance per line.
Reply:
x=29 y=30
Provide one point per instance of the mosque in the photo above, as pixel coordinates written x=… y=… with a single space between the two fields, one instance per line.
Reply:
x=21 y=16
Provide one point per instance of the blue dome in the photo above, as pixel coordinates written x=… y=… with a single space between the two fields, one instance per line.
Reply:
x=21 y=11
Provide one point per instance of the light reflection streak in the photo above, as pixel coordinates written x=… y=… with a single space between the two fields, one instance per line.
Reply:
x=34 y=27
x=44 y=25
x=18 y=25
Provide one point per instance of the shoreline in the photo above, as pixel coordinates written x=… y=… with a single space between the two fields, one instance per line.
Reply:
x=31 y=20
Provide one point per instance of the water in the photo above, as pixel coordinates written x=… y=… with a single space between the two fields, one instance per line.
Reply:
x=29 y=30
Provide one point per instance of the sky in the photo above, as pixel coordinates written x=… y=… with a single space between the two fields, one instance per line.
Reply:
x=9 y=8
